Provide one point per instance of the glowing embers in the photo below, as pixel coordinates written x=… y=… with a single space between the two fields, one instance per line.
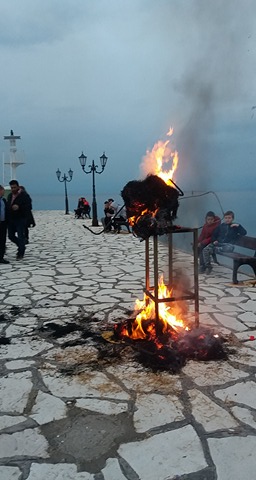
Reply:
x=144 y=325
x=170 y=350
x=168 y=342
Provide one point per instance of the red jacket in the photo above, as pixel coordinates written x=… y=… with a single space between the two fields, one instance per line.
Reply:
x=207 y=230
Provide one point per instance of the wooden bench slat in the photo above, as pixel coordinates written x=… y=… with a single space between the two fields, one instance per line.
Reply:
x=241 y=258
x=247 y=242
x=234 y=255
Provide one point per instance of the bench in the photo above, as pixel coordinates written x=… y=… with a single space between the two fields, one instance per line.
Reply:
x=240 y=258
x=82 y=213
x=118 y=222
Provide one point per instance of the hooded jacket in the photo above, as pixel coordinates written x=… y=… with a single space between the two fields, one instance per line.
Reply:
x=205 y=236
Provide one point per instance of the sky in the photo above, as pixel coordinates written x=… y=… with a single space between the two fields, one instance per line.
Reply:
x=115 y=75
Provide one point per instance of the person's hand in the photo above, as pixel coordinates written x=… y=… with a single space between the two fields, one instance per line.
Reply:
x=216 y=242
x=234 y=225
x=15 y=207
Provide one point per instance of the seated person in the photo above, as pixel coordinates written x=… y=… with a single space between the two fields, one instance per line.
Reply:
x=211 y=222
x=107 y=219
x=223 y=237
x=86 y=208
x=79 y=209
x=120 y=218
x=83 y=208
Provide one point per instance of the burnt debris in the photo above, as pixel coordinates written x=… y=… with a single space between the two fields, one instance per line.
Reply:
x=102 y=344
x=170 y=350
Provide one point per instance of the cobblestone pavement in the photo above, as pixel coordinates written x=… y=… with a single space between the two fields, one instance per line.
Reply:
x=66 y=413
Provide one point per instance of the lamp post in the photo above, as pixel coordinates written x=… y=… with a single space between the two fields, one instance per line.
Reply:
x=65 y=179
x=93 y=170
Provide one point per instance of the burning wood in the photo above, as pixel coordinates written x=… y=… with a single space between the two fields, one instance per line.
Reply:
x=170 y=350
x=151 y=206
x=168 y=342
x=162 y=347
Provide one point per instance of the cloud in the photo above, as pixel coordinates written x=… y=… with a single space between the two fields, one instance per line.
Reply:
x=32 y=22
x=115 y=74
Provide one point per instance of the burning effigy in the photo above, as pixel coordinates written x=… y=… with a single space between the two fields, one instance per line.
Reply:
x=164 y=339
x=151 y=206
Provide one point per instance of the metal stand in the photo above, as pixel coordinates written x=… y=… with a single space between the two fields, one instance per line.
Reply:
x=187 y=294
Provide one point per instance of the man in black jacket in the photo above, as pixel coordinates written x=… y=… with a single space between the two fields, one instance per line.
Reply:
x=17 y=213
x=30 y=218
x=3 y=225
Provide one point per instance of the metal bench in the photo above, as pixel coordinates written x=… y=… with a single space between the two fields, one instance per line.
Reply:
x=240 y=258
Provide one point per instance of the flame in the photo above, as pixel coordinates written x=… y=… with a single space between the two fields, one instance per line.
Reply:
x=142 y=327
x=161 y=155
x=133 y=220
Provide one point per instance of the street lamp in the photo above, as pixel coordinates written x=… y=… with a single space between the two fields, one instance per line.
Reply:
x=65 y=179
x=93 y=170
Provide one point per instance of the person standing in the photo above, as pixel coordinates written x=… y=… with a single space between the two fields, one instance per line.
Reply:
x=3 y=226
x=30 y=219
x=18 y=207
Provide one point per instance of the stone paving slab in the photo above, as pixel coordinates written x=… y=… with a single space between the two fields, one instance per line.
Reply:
x=65 y=414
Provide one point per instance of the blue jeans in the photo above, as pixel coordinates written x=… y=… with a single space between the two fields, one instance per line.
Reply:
x=17 y=226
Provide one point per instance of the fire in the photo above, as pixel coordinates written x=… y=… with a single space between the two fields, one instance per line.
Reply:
x=134 y=219
x=144 y=325
x=161 y=155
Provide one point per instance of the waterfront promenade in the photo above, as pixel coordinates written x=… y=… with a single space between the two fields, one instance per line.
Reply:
x=72 y=408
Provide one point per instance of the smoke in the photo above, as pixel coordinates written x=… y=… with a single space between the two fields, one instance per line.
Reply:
x=213 y=84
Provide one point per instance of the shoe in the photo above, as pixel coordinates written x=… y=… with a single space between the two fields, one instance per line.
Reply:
x=19 y=256
x=201 y=269
x=5 y=262
x=208 y=270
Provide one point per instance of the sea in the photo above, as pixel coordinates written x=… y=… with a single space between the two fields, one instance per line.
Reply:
x=192 y=206
x=191 y=212
x=57 y=202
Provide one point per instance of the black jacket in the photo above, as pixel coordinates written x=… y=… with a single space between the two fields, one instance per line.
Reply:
x=226 y=234
x=24 y=203
x=4 y=200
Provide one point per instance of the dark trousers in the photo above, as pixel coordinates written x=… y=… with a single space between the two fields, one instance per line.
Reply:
x=16 y=233
x=26 y=232
x=3 y=230
x=107 y=224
